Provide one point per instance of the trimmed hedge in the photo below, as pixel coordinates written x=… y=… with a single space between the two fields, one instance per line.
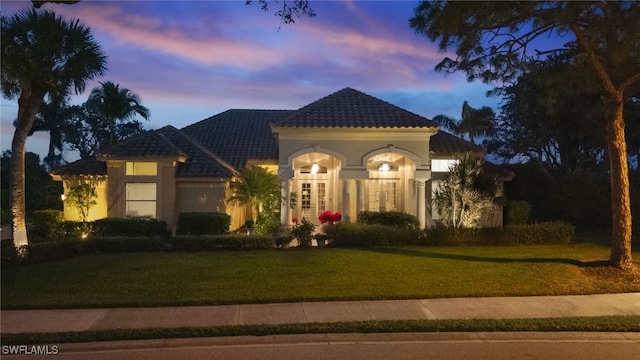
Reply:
x=59 y=250
x=129 y=227
x=49 y=226
x=221 y=242
x=196 y=223
x=363 y=235
x=541 y=233
x=120 y=244
x=396 y=219
x=73 y=247
x=46 y=226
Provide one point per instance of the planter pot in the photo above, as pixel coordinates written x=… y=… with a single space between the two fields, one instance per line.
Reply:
x=320 y=243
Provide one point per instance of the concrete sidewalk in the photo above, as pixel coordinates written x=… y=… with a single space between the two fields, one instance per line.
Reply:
x=25 y=321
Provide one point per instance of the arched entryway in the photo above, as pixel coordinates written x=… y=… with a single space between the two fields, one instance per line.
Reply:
x=314 y=186
x=390 y=183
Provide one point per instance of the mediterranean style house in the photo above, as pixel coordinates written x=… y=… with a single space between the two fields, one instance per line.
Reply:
x=346 y=152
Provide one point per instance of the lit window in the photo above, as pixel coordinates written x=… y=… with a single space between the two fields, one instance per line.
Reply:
x=442 y=165
x=142 y=168
x=141 y=200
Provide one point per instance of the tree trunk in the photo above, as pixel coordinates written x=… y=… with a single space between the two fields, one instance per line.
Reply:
x=28 y=105
x=620 y=198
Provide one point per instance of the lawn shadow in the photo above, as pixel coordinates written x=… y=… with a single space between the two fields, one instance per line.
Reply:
x=437 y=255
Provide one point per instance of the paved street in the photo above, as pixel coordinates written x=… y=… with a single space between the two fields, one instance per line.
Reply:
x=410 y=346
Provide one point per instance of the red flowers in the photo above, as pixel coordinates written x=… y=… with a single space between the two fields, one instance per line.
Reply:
x=329 y=217
x=294 y=220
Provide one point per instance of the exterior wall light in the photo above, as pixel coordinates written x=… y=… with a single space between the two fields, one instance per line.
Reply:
x=314 y=168
x=63 y=197
x=383 y=167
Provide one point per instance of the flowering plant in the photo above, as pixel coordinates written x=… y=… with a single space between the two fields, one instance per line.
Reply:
x=294 y=220
x=329 y=217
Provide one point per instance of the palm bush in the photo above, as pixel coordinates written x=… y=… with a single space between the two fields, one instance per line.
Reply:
x=460 y=199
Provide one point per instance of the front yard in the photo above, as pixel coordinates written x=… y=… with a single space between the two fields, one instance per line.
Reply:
x=227 y=277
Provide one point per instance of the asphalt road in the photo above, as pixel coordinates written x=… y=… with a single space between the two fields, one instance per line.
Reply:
x=547 y=346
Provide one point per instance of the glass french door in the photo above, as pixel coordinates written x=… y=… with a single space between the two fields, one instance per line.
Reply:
x=383 y=195
x=313 y=199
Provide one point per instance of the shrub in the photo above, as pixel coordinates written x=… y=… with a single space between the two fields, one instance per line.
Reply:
x=8 y=254
x=221 y=242
x=46 y=226
x=303 y=232
x=518 y=212
x=541 y=233
x=77 y=229
x=195 y=223
x=362 y=235
x=119 y=244
x=267 y=224
x=130 y=227
x=60 y=250
x=396 y=219
x=443 y=236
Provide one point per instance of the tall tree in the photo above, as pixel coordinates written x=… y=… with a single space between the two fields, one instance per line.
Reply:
x=474 y=122
x=42 y=54
x=553 y=115
x=89 y=132
x=53 y=118
x=115 y=105
x=492 y=40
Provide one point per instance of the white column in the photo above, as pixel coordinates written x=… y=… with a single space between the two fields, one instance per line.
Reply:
x=359 y=197
x=285 y=214
x=346 y=201
x=422 y=200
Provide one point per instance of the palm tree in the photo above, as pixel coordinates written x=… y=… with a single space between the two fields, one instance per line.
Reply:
x=257 y=187
x=460 y=198
x=474 y=123
x=114 y=103
x=53 y=117
x=42 y=54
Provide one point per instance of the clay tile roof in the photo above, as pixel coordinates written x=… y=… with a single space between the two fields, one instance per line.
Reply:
x=82 y=167
x=444 y=143
x=148 y=144
x=238 y=135
x=200 y=161
x=353 y=109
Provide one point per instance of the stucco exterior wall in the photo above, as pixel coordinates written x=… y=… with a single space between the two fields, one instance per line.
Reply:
x=352 y=146
x=208 y=195
x=117 y=180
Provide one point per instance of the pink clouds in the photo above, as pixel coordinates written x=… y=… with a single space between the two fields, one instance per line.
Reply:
x=191 y=59
x=154 y=34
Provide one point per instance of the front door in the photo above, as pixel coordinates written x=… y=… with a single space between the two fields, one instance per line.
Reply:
x=383 y=195
x=313 y=199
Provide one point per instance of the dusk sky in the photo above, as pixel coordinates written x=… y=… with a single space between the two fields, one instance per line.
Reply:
x=189 y=60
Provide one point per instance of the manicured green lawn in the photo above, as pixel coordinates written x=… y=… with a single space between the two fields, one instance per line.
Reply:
x=206 y=278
